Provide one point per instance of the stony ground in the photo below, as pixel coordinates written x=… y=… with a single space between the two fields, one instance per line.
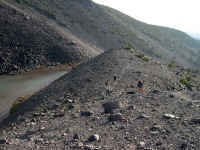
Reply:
x=79 y=111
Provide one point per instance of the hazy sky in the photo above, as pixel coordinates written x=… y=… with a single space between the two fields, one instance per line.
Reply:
x=179 y=14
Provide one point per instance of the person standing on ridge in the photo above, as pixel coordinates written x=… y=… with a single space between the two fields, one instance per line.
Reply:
x=140 y=85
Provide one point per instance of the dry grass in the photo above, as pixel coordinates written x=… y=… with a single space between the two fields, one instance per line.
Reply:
x=19 y=101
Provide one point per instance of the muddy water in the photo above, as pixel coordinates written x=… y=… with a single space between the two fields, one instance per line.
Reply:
x=12 y=87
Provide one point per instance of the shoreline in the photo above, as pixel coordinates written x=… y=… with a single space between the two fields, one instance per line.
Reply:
x=36 y=73
x=4 y=116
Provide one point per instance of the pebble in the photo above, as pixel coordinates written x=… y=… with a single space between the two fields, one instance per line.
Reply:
x=142 y=144
x=69 y=101
x=116 y=117
x=143 y=116
x=86 y=113
x=170 y=116
x=156 y=92
x=91 y=147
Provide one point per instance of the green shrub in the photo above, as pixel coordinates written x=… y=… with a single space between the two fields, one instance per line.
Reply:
x=145 y=58
x=184 y=81
x=140 y=55
x=171 y=65
x=128 y=47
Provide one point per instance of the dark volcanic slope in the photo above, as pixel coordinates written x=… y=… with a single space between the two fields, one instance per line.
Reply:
x=69 y=111
x=108 y=28
x=26 y=42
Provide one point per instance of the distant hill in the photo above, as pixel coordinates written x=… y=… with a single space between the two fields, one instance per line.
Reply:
x=28 y=41
x=106 y=28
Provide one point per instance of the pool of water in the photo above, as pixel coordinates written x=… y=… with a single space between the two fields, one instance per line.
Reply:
x=12 y=87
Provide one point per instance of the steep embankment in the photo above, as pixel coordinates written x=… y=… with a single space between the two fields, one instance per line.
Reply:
x=107 y=28
x=28 y=41
x=163 y=116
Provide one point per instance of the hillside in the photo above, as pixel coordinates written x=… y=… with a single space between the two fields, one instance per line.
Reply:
x=163 y=116
x=109 y=29
x=28 y=41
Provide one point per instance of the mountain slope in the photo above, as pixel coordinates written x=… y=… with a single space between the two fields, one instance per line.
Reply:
x=28 y=41
x=107 y=28
x=160 y=117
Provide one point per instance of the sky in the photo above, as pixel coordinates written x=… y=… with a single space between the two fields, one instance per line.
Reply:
x=179 y=14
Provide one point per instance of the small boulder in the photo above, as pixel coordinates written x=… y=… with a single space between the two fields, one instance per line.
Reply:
x=109 y=107
x=94 y=137
x=156 y=92
x=130 y=92
x=195 y=121
x=59 y=114
x=76 y=137
x=86 y=113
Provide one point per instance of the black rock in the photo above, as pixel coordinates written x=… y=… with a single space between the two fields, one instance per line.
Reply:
x=195 y=121
x=86 y=113
x=2 y=141
x=109 y=107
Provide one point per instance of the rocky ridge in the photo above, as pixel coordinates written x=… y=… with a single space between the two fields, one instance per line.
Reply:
x=98 y=106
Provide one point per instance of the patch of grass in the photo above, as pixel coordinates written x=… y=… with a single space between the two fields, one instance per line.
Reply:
x=145 y=58
x=142 y=56
x=127 y=47
x=75 y=64
x=186 y=81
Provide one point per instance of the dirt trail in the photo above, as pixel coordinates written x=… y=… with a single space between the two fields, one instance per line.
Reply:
x=88 y=48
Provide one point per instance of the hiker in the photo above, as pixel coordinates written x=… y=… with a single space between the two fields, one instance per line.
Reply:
x=140 y=85
x=108 y=88
x=115 y=78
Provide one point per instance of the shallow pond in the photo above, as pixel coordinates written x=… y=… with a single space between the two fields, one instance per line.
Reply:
x=12 y=87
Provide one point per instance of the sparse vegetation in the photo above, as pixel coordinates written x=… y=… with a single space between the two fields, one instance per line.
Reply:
x=141 y=55
x=184 y=81
x=18 y=102
x=129 y=47
x=171 y=65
